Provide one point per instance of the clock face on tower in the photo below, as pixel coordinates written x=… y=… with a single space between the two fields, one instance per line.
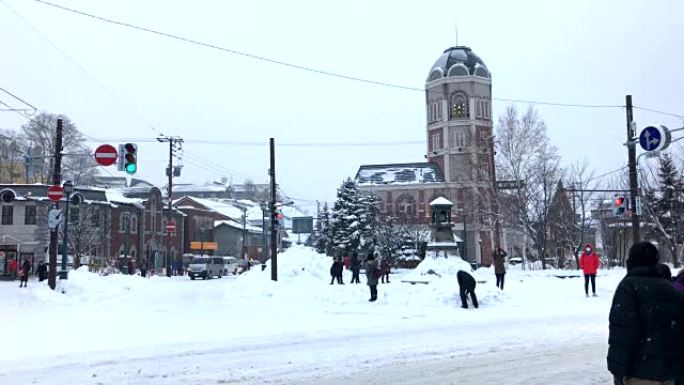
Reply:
x=458 y=110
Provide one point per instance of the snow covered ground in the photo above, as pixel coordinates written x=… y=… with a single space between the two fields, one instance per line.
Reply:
x=249 y=330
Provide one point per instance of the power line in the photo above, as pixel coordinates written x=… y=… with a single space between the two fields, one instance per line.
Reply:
x=660 y=112
x=18 y=98
x=292 y=65
x=83 y=70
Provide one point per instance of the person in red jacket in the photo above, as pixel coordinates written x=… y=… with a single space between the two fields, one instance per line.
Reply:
x=589 y=262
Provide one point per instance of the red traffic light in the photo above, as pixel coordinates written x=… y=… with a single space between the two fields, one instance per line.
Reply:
x=130 y=148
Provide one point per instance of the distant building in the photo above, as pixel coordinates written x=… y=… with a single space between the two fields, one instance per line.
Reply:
x=460 y=167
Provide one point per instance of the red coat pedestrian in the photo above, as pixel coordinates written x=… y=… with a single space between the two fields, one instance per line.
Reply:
x=13 y=265
x=347 y=262
x=589 y=261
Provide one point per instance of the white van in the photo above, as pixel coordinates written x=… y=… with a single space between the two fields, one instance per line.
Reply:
x=205 y=267
x=230 y=265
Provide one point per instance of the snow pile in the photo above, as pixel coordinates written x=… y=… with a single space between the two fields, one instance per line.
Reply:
x=432 y=269
x=296 y=264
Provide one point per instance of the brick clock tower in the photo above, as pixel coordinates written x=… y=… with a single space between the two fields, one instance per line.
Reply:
x=460 y=159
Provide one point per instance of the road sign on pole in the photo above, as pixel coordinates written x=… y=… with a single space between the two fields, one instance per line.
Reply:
x=105 y=155
x=55 y=193
x=171 y=227
x=54 y=218
x=655 y=138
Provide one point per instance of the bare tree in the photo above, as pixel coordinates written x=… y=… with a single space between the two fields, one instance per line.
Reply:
x=85 y=232
x=12 y=148
x=525 y=155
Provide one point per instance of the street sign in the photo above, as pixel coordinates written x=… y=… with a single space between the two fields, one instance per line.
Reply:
x=655 y=138
x=171 y=227
x=55 y=193
x=54 y=218
x=196 y=245
x=509 y=184
x=302 y=225
x=105 y=155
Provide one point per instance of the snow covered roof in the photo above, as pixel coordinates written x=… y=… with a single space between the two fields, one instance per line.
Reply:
x=441 y=201
x=117 y=196
x=400 y=173
x=237 y=225
x=198 y=188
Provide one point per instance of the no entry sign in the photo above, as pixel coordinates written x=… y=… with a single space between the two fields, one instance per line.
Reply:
x=105 y=155
x=171 y=226
x=55 y=193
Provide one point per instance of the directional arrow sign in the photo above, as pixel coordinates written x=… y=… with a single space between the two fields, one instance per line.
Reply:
x=54 y=218
x=105 y=155
x=654 y=138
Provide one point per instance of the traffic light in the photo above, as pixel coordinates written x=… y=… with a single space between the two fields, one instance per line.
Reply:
x=278 y=217
x=619 y=206
x=130 y=158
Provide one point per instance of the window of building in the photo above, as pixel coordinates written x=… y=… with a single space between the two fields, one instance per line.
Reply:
x=134 y=224
x=481 y=72
x=95 y=218
x=458 y=69
x=122 y=222
x=435 y=74
x=7 y=215
x=459 y=106
x=30 y=215
x=74 y=214
x=163 y=226
x=436 y=141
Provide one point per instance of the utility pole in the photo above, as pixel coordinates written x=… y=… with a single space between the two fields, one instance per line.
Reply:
x=633 y=182
x=244 y=236
x=56 y=181
x=173 y=141
x=272 y=208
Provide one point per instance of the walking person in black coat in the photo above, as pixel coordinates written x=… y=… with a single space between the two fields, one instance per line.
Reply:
x=466 y=285
x=24 y=273
x=500 y=266
x=336 y=271
x=355 y=268
x=42 y=271
x=646 y=331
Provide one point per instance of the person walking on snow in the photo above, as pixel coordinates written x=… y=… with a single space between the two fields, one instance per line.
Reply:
x=372 y=275
x=336 y=272
x=466 y=285
x=355 y=268
x=385 y=270
x=24 y=273
x=589 y=263
x=41 y=271
x=646 y=324
x=500 y=266
x=13 y=266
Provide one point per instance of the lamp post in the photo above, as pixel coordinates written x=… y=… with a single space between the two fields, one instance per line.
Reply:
x=264 y=246
x=68 y=189
x=202 y=230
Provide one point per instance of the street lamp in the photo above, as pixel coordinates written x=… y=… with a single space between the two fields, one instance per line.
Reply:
x=68 y=189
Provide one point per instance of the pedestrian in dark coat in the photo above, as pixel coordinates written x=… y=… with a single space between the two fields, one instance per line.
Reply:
x=589 y=262
x=646 y=331
x=355 y=269
x=24 y=273
x=499 y=266
x=372 y=275
x=336 y=272
x=385 y=270
x=42 y=271
x=466 y=285
x=143 y=270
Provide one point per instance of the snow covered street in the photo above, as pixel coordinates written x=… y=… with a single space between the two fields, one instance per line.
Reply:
x=301 y=330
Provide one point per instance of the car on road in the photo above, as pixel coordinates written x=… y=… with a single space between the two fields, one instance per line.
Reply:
x=206 y=267
x=230 y=265
x=515 y=261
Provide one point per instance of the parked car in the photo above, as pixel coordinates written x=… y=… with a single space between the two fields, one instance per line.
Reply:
x=205 y=267
x=515 y=261
x=230 y=265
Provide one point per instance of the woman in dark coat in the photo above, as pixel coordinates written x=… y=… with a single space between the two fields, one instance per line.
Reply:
x=646 y=331
x=500 y=267
x=355 y=269
x=336 y=271
x=41 y=271
x=372 y=275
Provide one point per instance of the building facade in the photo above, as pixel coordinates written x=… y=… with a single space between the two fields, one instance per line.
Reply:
x=460 y=156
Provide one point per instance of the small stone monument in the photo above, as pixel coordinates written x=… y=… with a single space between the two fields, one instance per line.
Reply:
x=442 y=238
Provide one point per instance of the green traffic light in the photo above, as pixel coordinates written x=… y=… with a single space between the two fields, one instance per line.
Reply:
x=131 y=168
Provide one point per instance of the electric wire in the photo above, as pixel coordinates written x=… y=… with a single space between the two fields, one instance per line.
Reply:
x=659 y=112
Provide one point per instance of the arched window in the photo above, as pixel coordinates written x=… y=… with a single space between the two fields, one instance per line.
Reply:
x=435 y=74
x=459 y=106
x=481 y=71
x=458 y=69
x=406 y=206
x=122 y=221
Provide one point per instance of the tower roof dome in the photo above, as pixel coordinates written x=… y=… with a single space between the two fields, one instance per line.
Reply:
x=458 y=61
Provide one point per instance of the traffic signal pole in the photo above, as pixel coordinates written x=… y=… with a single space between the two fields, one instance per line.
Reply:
x=272 y=213
x=56 y=181
x=633 y=181
x=173 y=141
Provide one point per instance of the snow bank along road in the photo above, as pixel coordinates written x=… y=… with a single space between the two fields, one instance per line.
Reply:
x=129 y=330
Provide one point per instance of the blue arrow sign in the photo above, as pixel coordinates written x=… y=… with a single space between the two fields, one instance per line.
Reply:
x=650 y=138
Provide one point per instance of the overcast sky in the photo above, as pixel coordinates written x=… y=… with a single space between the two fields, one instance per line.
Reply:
x=588 y=52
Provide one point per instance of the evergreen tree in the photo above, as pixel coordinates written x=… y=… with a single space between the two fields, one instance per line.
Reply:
x=345 y=226
x=407 y=242
x=321 y=239
x=389 y=237
x=370 y=215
